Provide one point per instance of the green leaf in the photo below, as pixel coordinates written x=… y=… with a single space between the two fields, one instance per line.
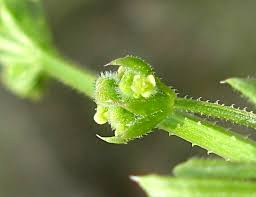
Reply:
x=166 y=186
x=23 y=37
x=247 y=87
x=23 y=21
x=25 y=81
x=132 y=63
x=200 y=168
x=216 y=110
x=213 y=138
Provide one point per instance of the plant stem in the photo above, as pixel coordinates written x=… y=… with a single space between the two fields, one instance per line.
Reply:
x=69 y=74
x=215 y=139
x=241 y=117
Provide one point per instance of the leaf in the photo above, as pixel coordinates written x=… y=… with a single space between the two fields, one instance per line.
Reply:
x=247 y=87
x=24 y=21
x=22 y=80
x=201 y=168
x=24 y=36
x=166 y=186
x=132 y=63
x=216 y=110
x=213 y=138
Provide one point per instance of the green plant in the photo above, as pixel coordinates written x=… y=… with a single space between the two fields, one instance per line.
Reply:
x=133 y=100
x=203 y=178
x=28 y=55
x=131 y=114
x=207 y=177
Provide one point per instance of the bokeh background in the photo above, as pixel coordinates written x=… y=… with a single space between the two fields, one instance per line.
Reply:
x=49 y=149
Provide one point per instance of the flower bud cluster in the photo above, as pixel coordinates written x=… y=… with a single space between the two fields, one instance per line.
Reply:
x=132 y=100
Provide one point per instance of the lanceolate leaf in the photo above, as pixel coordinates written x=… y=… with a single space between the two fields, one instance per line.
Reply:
x=247 y=87
x=166 y=186
x=201 y=168
x=213 y=138
x=216 y=110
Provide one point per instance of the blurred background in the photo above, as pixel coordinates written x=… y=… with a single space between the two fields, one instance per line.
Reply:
x=49 y=149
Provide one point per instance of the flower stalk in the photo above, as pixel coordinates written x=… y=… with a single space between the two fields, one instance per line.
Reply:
x=69 y=74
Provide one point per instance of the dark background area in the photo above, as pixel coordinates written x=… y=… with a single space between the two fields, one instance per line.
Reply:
x=49 y=149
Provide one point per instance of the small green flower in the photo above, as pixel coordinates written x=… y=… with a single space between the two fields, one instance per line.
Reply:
x=144 y=86
x=132 y=100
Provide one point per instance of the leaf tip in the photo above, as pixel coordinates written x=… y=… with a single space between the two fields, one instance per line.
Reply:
x=135 y=178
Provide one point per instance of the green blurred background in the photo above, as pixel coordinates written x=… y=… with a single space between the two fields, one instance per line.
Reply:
x=49 y=149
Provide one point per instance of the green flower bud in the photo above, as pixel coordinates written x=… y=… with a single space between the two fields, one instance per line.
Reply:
x=106 y=86
x=135 y=101
x=101 y=116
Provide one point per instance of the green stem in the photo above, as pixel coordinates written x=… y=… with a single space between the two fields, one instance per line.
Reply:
x=241 y=117
x=69 y=74
x=215 y=139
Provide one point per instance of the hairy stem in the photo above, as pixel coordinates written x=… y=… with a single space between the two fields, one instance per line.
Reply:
x=215 y=139
x=241 y=117
x=69 y=74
